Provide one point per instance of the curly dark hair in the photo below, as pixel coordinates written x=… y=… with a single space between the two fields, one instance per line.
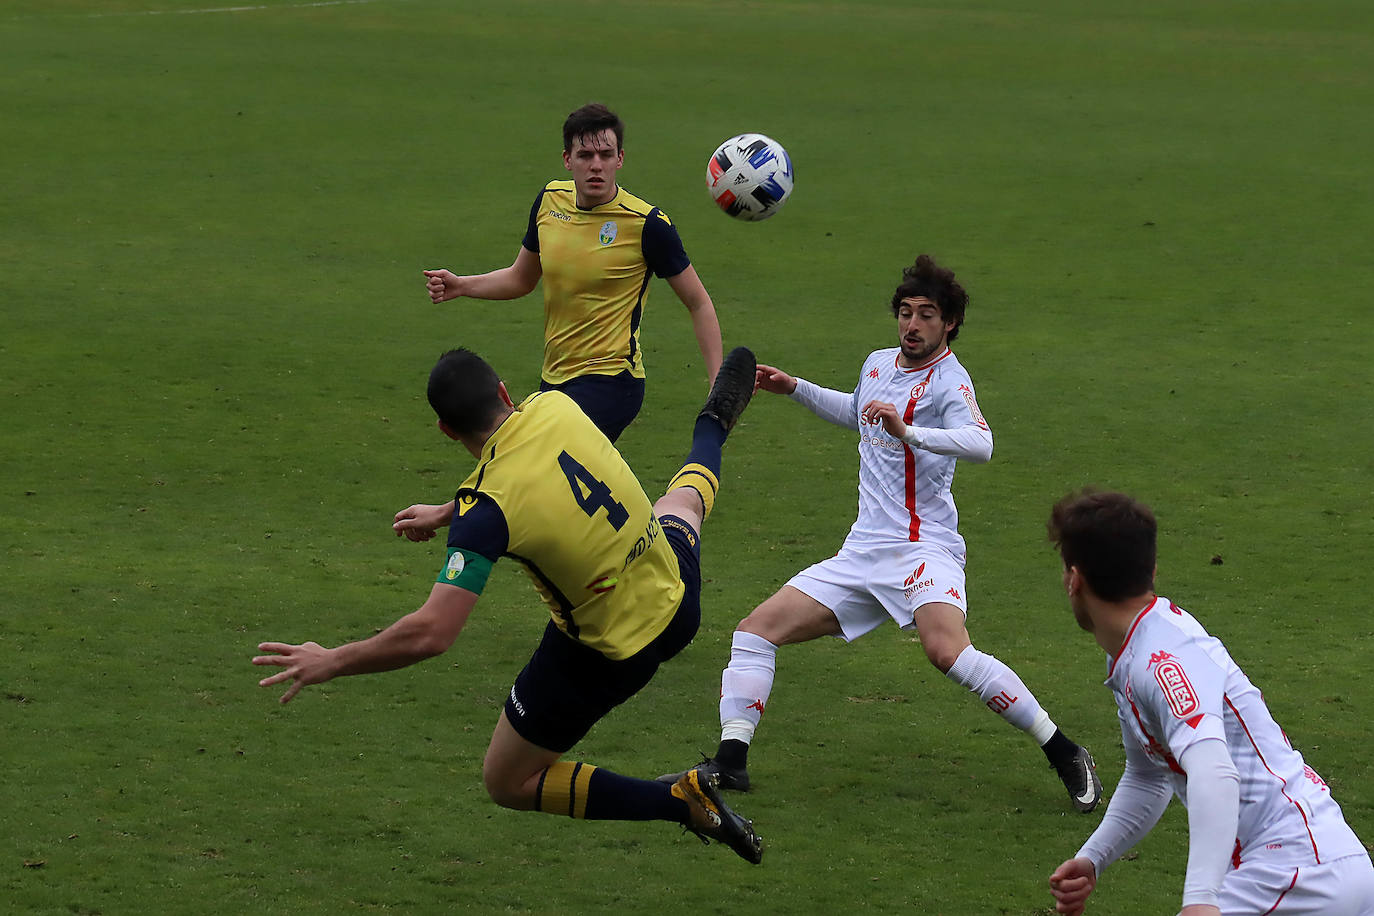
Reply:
x=590 y=120
x=1110 y=538
x=930 y=280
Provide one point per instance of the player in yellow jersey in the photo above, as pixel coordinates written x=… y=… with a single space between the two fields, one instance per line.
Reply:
x=595 y=245
x=621 y=578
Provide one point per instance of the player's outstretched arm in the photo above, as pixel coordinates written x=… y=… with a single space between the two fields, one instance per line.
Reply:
x=705 y=324
x=420 y=522
x=421 y=634
x=511 y=282
x=775 y=381
x=1071 y=884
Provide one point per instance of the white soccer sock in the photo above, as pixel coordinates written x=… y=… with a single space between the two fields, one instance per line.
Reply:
x=745 y=684
x=1002 y=691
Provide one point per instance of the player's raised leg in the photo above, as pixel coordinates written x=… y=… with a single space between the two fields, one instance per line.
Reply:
x=945 y=639
x=691 y=494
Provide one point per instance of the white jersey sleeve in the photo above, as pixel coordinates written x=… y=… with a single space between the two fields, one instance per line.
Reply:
x=827 y=403
x=1136 y=806
x=1214 y=787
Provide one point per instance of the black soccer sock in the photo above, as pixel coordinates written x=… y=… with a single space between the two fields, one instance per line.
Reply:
x=1059 y=749
x=584 y=791
x=733 y=754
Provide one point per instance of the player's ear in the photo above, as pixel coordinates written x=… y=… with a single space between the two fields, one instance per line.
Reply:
x=505 y=395
x=567 y=160
x=443 y=428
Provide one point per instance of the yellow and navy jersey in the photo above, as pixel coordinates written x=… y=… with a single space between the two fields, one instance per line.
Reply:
x=597 y=264
x=552 y=492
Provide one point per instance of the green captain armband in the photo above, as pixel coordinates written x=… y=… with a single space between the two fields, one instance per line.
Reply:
x=465 y=569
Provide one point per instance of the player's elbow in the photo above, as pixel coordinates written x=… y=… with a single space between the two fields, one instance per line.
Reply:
x=982 y=450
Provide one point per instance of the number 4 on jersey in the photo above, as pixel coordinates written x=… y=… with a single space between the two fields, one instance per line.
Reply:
x=590 y=493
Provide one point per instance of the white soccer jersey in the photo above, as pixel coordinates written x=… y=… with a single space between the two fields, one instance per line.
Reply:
x=905 y=492
x=1175 y=684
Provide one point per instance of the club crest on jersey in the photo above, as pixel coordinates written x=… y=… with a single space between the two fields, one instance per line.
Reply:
x=1178 y=690
x=918 y=390
x=608 y=232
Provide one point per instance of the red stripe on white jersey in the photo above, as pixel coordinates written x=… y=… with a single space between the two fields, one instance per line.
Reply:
x=914 y=525
x=1283 y=783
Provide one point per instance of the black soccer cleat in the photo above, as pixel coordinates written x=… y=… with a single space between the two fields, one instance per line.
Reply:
x=733 y=388
x=1079 y=775
x=711 y=819
x=735 y=779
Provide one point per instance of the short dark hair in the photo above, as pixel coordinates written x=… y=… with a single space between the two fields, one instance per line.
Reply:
x=936 y=283
x=590 y=120
x=464 y=392
x=1110 y=538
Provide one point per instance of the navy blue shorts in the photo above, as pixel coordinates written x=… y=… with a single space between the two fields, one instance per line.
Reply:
x=566 y=687
x=610 y=401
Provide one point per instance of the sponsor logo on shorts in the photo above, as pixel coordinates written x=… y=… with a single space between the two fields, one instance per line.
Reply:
x=516 y=704
x=914 y=583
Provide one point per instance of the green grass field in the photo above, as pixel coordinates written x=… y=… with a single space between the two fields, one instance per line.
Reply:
x=213 y=346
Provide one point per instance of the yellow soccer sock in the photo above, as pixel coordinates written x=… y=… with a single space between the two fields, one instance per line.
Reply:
x=700 y=478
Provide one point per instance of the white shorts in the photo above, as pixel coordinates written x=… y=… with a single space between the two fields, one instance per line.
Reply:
x=1341 y=887
x=865 y=587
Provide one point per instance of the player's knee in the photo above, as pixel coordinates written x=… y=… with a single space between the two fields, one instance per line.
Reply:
x=943 y=651
x=942 y=656
x=505 y=791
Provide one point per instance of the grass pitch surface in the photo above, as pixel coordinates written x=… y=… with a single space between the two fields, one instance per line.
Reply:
x=213 y=346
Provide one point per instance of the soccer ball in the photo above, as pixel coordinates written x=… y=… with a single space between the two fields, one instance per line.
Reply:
x=750 y=176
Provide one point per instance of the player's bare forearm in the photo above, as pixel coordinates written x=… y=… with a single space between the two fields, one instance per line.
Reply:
x=421 y=634
x=705 y=323
x=511 y=282
x=420 y=522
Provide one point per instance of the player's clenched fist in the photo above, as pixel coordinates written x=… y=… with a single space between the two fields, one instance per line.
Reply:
x=442 y=285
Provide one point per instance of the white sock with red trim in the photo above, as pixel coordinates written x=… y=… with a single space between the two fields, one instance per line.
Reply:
x=1002 y=691
x=745 y=684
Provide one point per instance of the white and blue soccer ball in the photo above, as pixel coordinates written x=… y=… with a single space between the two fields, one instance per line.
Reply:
x=750 y=176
